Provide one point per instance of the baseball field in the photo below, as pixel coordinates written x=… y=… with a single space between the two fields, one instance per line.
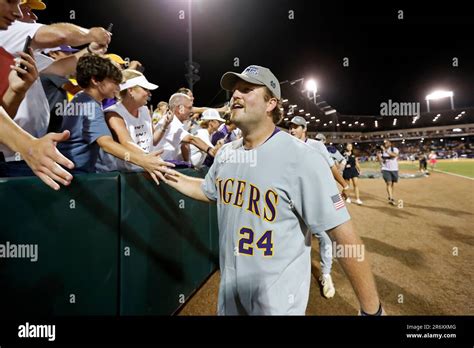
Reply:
x=421 y=251
x=463 y=167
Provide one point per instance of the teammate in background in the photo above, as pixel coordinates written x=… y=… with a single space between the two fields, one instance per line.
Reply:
x=433 y=161
x=387 y=156
x=351 y=172
x=333 y=152
x=298 y=130
x=266 y=212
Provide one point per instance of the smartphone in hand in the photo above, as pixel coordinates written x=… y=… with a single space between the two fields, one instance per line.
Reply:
x=26 y=49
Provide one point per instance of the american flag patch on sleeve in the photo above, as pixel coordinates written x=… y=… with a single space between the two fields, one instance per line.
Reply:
x=338 y=201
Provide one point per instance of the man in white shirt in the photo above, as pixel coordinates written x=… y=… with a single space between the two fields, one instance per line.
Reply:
x=388 y=158
x=173 y=137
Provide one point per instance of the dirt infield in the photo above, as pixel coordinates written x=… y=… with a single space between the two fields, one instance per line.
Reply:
x=411 y=251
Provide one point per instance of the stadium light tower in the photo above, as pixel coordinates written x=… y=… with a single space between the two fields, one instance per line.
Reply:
x=192 y=67
x=312 y=89
x=439 y=95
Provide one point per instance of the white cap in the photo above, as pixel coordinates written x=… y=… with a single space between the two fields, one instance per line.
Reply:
x=138 y=81
x=211 y=114
x=320 y=136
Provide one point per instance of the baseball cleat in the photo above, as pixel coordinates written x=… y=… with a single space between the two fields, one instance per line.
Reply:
x=359 y=202
x=328 y=286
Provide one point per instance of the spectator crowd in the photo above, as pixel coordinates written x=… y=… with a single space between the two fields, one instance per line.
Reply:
x=68 y=106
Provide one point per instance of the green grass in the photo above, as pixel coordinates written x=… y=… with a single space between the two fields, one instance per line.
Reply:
x=460 y=167
x=464 y=167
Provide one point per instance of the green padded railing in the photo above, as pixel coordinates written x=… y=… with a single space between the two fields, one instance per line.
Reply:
x=110 y=244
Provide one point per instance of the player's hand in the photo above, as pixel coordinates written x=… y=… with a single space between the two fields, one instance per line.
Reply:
x=172 y=176
x=44 y=159
x=155 y=166
x=344 y=194
x=20 y=80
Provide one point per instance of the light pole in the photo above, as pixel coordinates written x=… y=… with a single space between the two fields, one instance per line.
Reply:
x=439 y=95
x=311 y=89
x=192 y=67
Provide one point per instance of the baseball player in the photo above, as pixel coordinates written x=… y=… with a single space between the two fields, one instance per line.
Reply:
x=298 y=130
x=333 y=152
x=266 y=208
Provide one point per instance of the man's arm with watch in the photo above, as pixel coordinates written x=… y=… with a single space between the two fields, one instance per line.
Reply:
x=200 y=144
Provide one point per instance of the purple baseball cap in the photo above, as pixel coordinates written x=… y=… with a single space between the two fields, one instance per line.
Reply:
x=62 y=48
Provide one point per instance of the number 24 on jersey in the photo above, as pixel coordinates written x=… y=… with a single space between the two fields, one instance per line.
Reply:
x=246 y=242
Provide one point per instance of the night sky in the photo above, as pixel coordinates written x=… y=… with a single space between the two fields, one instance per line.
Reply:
x=402 y=60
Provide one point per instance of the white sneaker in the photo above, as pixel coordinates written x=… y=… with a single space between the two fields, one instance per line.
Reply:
x=359 y=202
x=348 y=200
x=328 y=286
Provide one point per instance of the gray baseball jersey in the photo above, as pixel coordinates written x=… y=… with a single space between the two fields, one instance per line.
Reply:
x=336 y=156
x=318 y=145
x=263 y=196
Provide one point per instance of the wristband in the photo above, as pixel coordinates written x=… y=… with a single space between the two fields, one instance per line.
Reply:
x=379 y=312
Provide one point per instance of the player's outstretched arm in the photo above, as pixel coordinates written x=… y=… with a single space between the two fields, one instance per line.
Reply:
x=187 y=185
x=357 y=269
